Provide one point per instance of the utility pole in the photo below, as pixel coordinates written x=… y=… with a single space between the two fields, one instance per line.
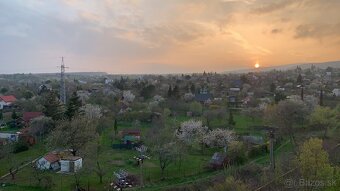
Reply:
x=62 y=81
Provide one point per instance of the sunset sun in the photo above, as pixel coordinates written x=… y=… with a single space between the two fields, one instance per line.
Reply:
x=257 y=65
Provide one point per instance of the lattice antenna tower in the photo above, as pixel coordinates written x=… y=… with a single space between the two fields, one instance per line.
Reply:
x=62 y=81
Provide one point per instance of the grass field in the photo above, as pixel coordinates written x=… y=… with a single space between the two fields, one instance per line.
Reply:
x=192 y=168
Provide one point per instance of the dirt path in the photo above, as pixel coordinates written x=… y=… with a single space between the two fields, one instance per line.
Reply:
x=20 y=167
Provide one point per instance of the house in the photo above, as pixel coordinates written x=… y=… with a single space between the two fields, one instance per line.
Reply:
x=12 y=137
x=218 y=160
x=70 y=164
x=131 y=136
x=49 y=162
x=203 y=96
x=6 y=101
x=336 y=92
x=29 y=116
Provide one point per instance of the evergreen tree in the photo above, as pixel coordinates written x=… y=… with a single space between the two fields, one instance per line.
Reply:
x=170 y=92
x=193 y=88
x=231 y=118
x=115 y=127
x=73 y=106
x=272 y=87
x=299 y=79
x=175 y=92
x=14 y=115
x=52 y=106
x=279 y=96
x=321 y=97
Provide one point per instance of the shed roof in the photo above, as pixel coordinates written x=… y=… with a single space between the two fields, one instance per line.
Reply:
x=51 y=157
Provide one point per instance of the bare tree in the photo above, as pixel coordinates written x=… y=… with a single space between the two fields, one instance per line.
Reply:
x=74 y=135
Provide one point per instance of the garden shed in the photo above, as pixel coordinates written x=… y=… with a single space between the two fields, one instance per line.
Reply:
x=71 y=164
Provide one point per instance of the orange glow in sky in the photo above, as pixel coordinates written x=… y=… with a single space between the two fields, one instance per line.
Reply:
x=167 y=36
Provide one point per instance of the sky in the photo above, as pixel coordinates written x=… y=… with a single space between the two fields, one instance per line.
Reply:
x=165 y=36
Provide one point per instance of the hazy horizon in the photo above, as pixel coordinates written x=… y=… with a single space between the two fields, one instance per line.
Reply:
x=163 y=37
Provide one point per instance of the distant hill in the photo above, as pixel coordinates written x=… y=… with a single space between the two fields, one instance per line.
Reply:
x=321 y=65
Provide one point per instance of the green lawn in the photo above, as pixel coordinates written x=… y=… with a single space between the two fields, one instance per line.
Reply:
x=192 y=167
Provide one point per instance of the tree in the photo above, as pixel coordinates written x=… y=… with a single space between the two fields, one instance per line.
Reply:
x=128 y=96
x=115 y=127
x=52 y=106
x=73 y=106
x=219 y=138
x=147 y=91
x=28 y=94
x=279 y=96
x=175 y=92
x=313 y=161
x=230 y=184
x=272 y=87
x=323 y=117
x=93 y=164
x=1 y=115
x=73 y=135
x=14 y=115
x=192 y=133
x=166 y=156
x=3 y=90
x=231 y=120
x=196 y=108
x=286 y=115
x=170 y=92
x=299 y=79
x=192 y=88
x=163 y=146
x=93 y=112
x=41 y=126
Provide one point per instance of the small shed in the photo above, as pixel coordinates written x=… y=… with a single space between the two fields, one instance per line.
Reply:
x=218 y=160
x=71 y=164
x=253 y=140
x=48 y=162
x=131 y=136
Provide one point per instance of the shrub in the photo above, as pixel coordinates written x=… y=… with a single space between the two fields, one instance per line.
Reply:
x=237 y=152
x=20 y=147
x=257 y=150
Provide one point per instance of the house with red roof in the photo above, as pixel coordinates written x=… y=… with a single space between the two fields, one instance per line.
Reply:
x=49 y=162
x=7 y=101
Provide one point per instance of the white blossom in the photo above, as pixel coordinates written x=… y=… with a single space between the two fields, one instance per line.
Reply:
x=128 y=96
x=218 y=138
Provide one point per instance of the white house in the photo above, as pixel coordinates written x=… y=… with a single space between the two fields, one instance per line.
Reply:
x=71 y=164
x=9 y=136
x=6 y=101
x=48 y=162
x=336 y=92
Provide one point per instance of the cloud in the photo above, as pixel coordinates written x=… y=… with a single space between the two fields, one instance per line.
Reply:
x=276 y=31
x=318 y=31
x=271 y=6
x=249 y=47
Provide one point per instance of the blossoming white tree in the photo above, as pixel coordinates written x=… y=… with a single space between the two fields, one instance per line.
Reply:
x=92 y=111
x=128 y=96
x=218 y=138
x=192 y=132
